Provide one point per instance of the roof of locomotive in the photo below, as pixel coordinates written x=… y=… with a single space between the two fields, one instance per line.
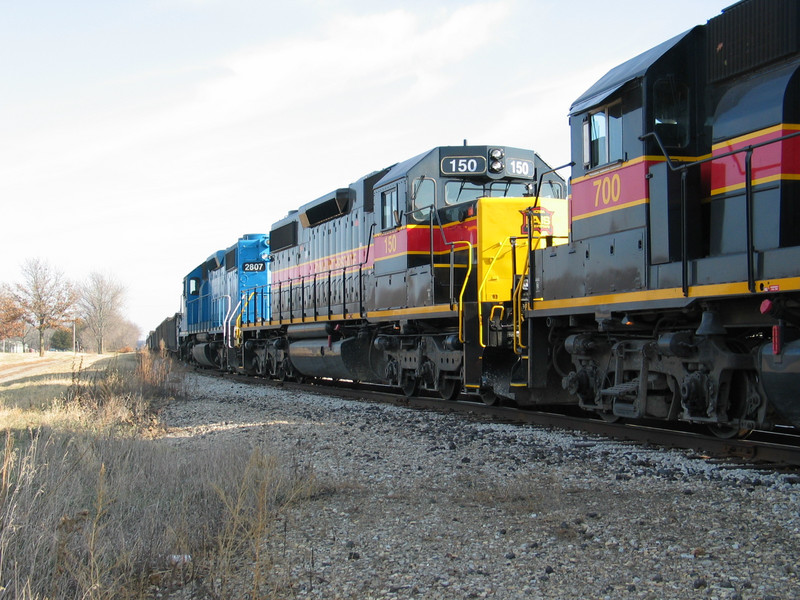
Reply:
x=401 y=168
x=620 y=75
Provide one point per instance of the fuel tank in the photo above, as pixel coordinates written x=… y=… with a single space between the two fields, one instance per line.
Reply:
x=205 y=355
x=350 y=358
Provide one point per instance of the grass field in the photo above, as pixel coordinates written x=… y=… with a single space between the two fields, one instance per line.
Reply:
x=95 y=504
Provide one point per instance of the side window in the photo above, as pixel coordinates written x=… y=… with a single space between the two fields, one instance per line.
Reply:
x=602 y=136
x=423 y=197
x=598 y=149
x=194 y=286
x=389 y=208
x=671 y=112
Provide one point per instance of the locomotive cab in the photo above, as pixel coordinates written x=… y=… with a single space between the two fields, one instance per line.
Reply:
x=684 y=220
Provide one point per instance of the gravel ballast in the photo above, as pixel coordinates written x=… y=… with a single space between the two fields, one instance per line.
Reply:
x=431 y=505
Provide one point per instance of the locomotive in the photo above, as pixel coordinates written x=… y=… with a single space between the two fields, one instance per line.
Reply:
x=677 y=295
x=665 y=287
x=378 y=281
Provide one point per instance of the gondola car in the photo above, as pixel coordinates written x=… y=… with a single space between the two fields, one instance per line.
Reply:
x=164 y=338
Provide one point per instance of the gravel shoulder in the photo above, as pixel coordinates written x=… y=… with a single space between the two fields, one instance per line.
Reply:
x=429 y=505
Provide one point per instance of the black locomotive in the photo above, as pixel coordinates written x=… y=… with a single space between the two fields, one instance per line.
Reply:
x=673 y=295
x=676 y=297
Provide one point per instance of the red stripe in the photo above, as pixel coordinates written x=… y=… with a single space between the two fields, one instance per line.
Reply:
x=773 y=161
x=384 y=245
x=609 y=190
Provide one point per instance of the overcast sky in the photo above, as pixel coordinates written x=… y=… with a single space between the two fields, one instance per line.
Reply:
x=138 y=137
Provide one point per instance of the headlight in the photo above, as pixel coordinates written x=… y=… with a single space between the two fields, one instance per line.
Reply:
x=496 y=154
x=496 y=166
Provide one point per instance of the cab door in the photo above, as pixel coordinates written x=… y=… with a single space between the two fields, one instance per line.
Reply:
x=391 y=246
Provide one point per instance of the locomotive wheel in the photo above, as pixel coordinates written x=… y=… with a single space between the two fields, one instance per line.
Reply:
x=261 y=366
x=489 y=397
x=608 y=417
x=409 y=385
x=283 y=372
x=449 y=389
x=726 y=432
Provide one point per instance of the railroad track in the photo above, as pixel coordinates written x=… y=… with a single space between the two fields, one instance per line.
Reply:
x=767 y=449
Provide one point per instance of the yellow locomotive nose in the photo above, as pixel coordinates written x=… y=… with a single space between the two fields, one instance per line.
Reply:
x=502 y=248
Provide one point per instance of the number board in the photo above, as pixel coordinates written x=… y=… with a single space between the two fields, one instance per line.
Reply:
x=254 y=267
x=518 y=167
x=463 y=165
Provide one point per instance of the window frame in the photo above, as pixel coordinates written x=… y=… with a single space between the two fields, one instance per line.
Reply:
x=419 y=213
x=612 y=150
x=389 y=198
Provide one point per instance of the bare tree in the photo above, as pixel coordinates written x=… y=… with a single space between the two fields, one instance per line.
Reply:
x=124 y=335
x=46 y=297
x=12 y=323
x=101 y=299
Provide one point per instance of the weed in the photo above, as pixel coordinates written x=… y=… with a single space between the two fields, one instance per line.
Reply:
x=91 y=508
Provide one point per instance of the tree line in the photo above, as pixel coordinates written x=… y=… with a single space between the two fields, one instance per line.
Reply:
x=46 y=310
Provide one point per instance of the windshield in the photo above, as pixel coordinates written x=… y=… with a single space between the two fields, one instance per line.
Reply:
x=456 y=192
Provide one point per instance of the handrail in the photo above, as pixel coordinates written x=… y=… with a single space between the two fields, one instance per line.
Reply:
x=228 y=313
x=470 y=247
x=483 y=285
x=237 y=331
x=228 y=330
x=748 y=200
x=516 y=304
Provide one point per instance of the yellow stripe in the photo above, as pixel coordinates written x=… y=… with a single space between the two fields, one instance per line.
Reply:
x=756 y=134
x=632 y=162
x=700 y=291
x=611 y=209
x=405 y=312
x=763 y=180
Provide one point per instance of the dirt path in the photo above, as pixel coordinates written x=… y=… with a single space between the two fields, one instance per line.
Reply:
x=19 y=366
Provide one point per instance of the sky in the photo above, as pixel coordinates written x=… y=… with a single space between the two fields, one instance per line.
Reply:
x=139 y=137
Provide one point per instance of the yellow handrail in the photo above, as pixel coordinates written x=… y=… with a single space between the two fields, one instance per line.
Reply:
x=464 y=289
x=237 y=331
x=480 y=291
x=515 y=294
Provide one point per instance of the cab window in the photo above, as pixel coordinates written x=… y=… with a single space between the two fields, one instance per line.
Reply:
x=671 y=112
x=194 y=286
x=423 y=197
x=389 y=208
x=456 y=192
x=602 y=136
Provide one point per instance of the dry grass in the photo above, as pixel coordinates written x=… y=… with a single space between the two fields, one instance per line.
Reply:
x=92 y=505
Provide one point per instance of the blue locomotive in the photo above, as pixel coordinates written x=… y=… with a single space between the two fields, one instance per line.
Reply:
x=216 y=294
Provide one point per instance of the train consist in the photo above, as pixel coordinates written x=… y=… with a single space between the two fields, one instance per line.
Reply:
x=665 y=287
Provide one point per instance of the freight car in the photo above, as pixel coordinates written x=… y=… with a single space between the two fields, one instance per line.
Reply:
x=164 y=338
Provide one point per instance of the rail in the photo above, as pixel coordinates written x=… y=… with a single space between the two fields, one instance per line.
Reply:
x=470 y=249
x=748 y=202
x=516 y=304
x=511 y=240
